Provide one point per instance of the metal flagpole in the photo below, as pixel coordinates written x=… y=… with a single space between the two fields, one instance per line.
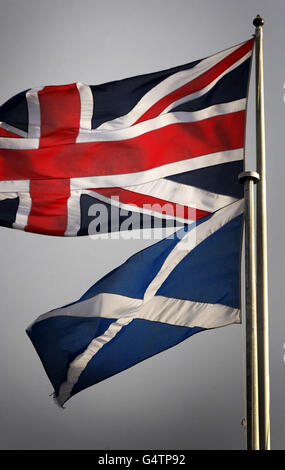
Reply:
x=248 y=178
x=262 y=282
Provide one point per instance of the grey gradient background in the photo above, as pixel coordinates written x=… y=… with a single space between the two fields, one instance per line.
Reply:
x=191 y=396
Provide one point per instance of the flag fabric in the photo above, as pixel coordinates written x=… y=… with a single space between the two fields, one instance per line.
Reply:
x=160 y=148
x=182 y=285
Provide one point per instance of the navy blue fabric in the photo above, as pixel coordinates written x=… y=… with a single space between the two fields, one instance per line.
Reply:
x=58 y=340
x=15 y=111
x=116 y=218
x=8 y=211
x=233 y=86
x=132 y=278
x=136 y=342
x=220 y=179
x=117 y=98
x=210 y=273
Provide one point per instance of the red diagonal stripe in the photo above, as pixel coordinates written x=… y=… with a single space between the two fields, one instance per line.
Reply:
x=158 y=205
x=159 y=147
x=198 y=83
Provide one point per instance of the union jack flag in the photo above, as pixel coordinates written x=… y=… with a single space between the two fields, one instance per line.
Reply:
x=166 y=145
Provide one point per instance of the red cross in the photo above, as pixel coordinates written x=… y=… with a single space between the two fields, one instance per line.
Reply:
x=60 y=119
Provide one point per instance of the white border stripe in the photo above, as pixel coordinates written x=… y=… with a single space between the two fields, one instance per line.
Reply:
x=145 y=176
x=34 y=111
x=86 y=110
x=18 y=144
x=8 y=186
x=23 y=211
x=162 y=121
x=73 y=213
x=11 y=195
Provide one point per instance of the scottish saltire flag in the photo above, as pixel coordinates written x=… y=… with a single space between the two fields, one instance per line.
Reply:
x=156 y=149
x=180 y=286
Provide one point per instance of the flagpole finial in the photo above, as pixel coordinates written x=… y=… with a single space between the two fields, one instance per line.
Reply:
x=258 y=21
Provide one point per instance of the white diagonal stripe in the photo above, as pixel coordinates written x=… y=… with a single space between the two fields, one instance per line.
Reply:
x=13 y=129
x=147 y=209
x=77 y=366
x=102 y=305
x=34 y=130
x=161 y=309
x=207 y=88
x=188 y=313
x=179 y=312
x=165 y=87
x=179 y=193
x=192 y=239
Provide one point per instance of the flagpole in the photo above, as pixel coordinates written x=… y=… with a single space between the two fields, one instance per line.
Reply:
x=262 y=281
x=249 y=178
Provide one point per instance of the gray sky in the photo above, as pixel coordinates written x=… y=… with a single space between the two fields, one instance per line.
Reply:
x=190 y=396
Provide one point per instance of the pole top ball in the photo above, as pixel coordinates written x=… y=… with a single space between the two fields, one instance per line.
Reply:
x=258 y=21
